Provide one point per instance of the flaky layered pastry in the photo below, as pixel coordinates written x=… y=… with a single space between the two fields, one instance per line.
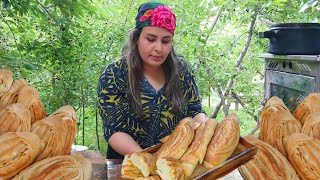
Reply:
x=6 y=80
x=29 y=96
x=15 y=118
x=128 y=170
x=274 y=104
x=224 y=141
x=11 y=96
x=49 y=130
x=68 y=119
x=276 y=124
x=144 y=161
x=310 y=104
x=169 y=168
x=198 y=148
x=17 y=151
x=304 y=154
x=57 y=132
x=268 y=163
x=178 y=141
x=311 y=126
x=71 y=167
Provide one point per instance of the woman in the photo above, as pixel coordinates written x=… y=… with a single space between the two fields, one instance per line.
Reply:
x=143 y=96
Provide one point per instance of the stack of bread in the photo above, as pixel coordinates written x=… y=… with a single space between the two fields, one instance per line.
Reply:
x=185 y=150
x=34 y=145
x=288 y=143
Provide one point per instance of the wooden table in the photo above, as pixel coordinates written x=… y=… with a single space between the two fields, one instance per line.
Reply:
x=111 y=168
x=98 y=163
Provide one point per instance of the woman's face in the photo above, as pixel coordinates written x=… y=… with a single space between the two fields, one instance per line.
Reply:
x=154 y=45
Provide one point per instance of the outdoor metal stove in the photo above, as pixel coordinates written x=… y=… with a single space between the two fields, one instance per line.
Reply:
x=291 y=77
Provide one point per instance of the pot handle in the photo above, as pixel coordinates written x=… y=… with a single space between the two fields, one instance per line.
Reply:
x=268 y=34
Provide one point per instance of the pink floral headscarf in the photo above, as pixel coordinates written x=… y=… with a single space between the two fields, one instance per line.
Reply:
x=156 y=14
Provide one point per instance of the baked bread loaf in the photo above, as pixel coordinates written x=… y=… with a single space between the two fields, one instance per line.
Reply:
x=17 y=151
x=15 y=118
x=73 y=166
x=198 y=148
x=6 y=80
x=304 y=154
x=48 y=129
x=29 y=96
x=57 y=132
x=276 y=124
x=144 y=161
x=169 y=168
x=128 y=170
x=178 y=141
x=311 y=126
x=273 y=104
x=11 y=96
x=309 y=105
x=268 y=163
x=224 y=141
x=68 y=118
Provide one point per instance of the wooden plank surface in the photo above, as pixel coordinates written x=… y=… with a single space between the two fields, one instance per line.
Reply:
x=243 y=153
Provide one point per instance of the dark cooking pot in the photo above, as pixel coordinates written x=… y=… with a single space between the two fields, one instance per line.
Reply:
x=293 y=38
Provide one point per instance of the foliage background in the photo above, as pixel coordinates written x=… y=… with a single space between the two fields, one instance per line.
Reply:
x=62 y=46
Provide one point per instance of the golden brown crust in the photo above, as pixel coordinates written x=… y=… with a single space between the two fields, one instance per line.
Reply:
x=11 y=96
x=29 y=96
x=7 y=99
x=304 y=155
x=268 y=163
x=59 y=167
x=276 y=124
x=17 y=85
x=224 y=141
x=268 y=116
x=197 y=150
x=311 y=126
x=178 y=141
x=145 y=161
x=17 y=150
x=169 y=168
x=15 y=118
x=68 y=119
x=6 y=80
x=309 y=105
x=48 y=129
x=57 y=132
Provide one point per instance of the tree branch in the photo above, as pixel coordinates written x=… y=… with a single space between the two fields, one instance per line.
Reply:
x=213 y=24
x=45 y=9
x=216 y=111
x=238 y=63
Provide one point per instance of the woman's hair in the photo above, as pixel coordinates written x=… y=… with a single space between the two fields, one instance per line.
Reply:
x=173 y=89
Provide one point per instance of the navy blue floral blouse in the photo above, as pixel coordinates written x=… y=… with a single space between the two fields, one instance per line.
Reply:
x=159 y=120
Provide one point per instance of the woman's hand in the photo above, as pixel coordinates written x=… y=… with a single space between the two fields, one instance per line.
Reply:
x=200 y=118
x=123 y=143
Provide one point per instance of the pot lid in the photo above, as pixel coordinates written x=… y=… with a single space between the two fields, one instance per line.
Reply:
x=296 y=26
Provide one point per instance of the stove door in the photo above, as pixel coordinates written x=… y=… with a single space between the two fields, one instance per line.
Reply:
x=291 y=88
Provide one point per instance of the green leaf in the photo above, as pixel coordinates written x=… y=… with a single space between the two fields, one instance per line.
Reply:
x=29 y=66
x=6 y=4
